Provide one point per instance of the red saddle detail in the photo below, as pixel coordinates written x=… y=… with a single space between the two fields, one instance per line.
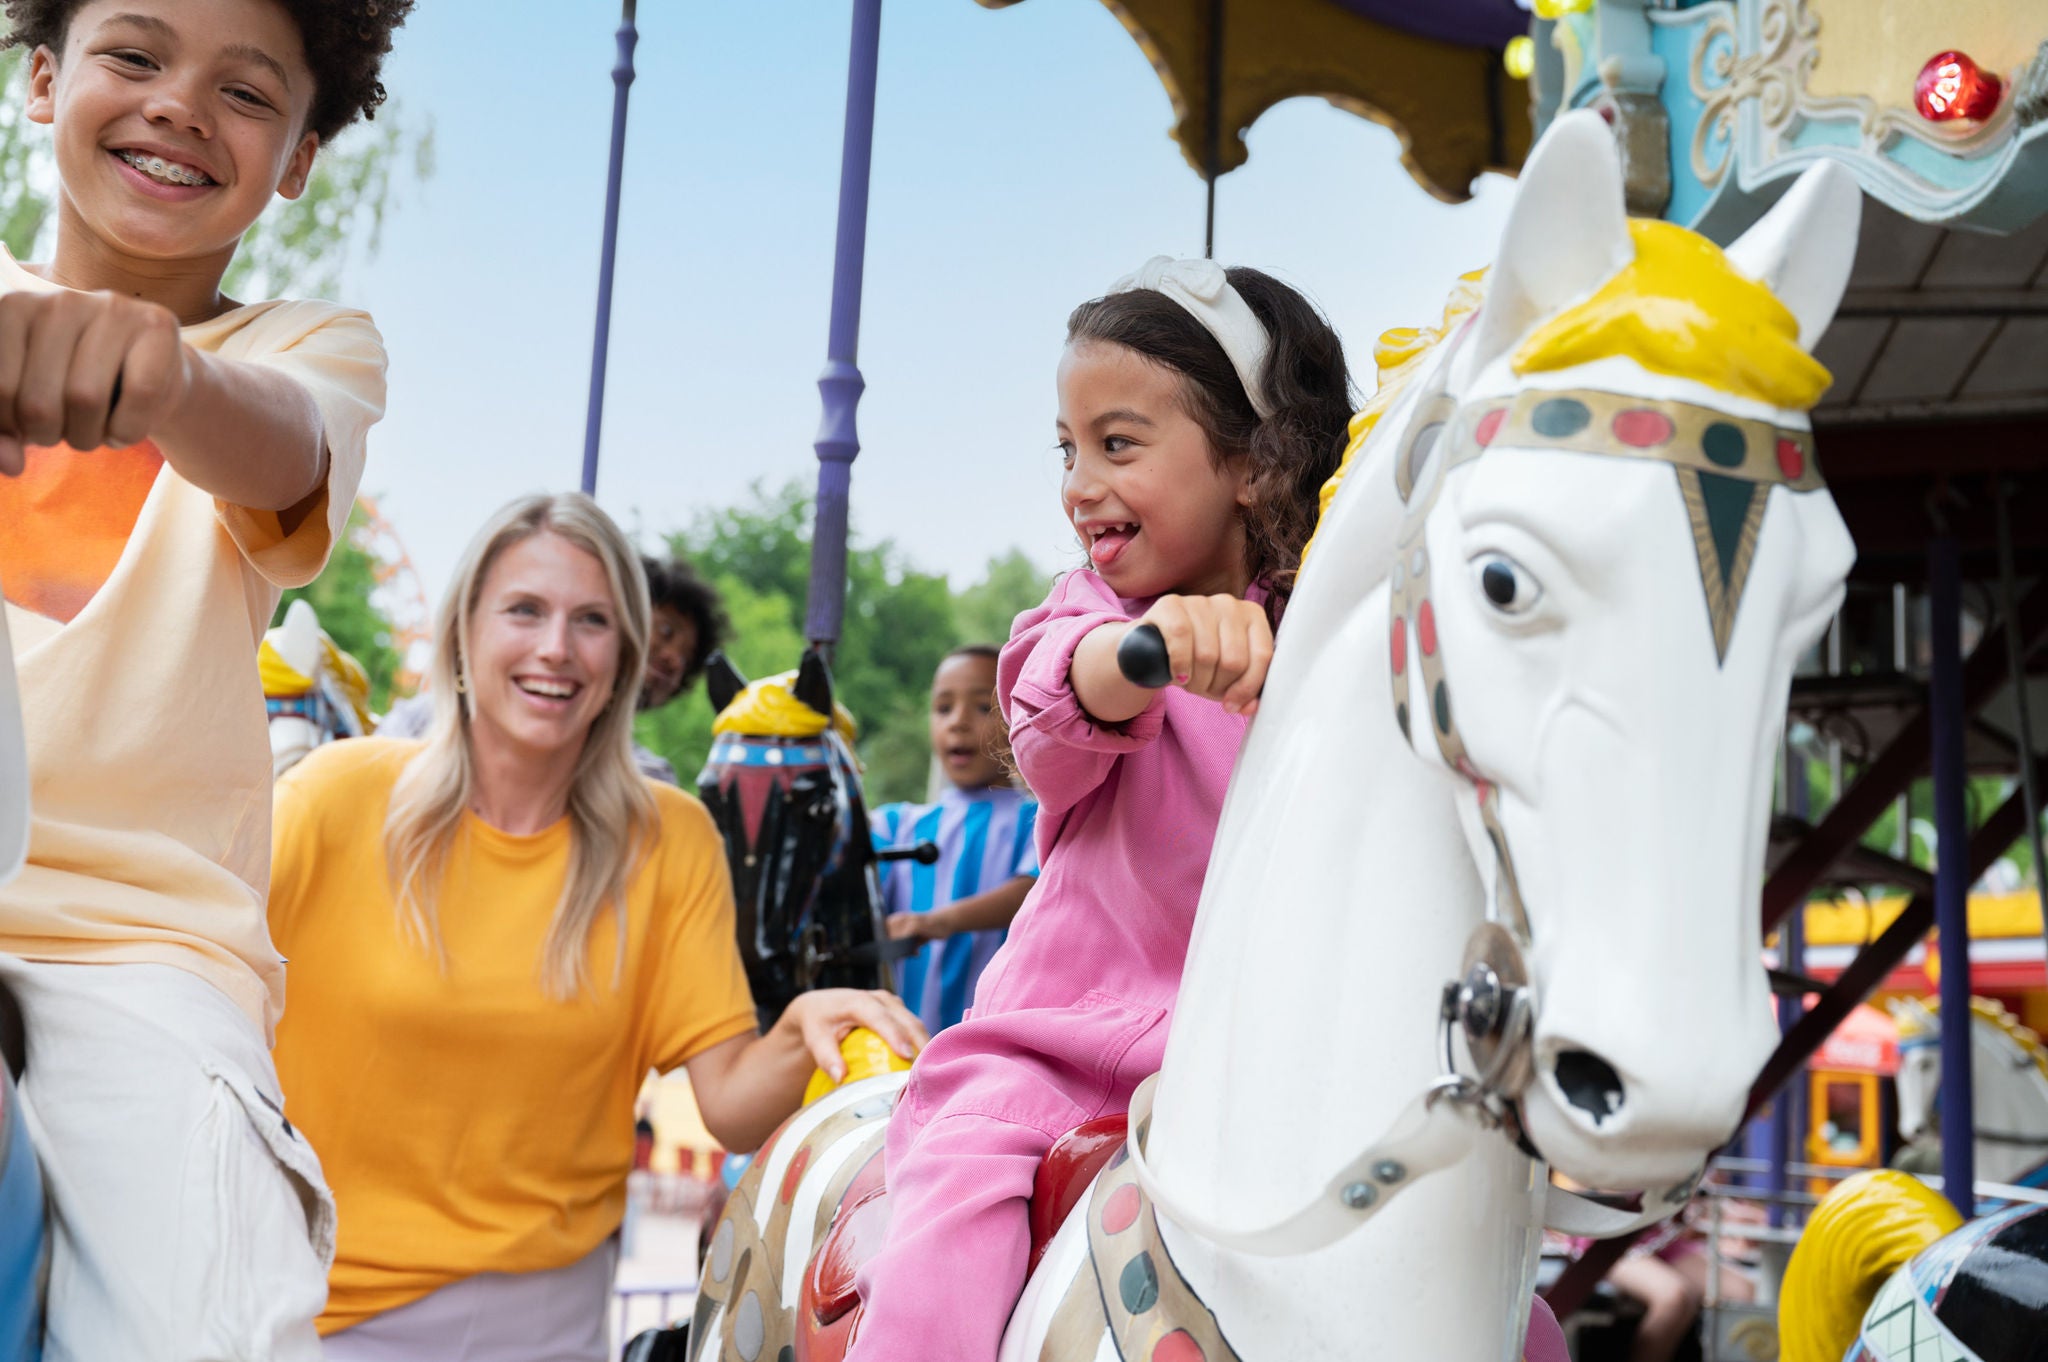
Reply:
x=1063 y=1178
x=828 y=1302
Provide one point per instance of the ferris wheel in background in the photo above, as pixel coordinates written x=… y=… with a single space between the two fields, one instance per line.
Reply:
x=399 y=594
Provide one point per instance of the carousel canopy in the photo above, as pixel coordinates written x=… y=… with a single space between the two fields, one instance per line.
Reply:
x=1430 y=71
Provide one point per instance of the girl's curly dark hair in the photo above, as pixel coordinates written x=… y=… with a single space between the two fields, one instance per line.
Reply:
x=1294 y=451
x=346 y=43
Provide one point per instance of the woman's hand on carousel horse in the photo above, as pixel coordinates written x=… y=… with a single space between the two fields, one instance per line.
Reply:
x=93 y=370
x=750 y=1084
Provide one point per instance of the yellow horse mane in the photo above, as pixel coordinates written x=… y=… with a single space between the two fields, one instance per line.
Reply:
x=768 y=708
x=1678 y=308
x=1868 y=1228
x=1996 y=1013
x=1682 y=308
x=1398 y=355
x=281 y=680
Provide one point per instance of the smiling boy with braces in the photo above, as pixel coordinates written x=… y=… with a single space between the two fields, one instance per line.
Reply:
x=169 y=460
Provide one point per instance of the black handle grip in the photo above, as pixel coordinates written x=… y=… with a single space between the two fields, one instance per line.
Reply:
x=924 y=853
x=1142 y=658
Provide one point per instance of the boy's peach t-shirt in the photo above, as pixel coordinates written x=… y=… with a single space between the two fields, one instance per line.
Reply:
x=135 y=603
x=467 y=1120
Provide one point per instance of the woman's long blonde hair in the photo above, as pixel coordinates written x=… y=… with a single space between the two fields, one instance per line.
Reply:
x=612 y=816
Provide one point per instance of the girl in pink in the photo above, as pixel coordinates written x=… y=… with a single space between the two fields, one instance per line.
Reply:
x=1200 y=411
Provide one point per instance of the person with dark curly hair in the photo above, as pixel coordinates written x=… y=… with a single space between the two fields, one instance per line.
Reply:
x=689 y=626
x=170 y=460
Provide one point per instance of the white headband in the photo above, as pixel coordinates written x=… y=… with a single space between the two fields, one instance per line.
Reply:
x=1204 y=292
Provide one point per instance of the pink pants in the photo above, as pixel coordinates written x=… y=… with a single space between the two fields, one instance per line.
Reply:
x=985 y=1102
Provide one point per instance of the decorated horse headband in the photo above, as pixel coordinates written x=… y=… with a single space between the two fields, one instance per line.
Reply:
x=1726 y=466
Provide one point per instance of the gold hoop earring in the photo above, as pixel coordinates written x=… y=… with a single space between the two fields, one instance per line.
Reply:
x=461 y=685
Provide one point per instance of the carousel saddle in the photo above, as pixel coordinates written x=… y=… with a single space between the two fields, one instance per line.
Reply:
x=829 y=1307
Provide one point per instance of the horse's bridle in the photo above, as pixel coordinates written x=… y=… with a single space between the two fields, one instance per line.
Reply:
x=1726 y=466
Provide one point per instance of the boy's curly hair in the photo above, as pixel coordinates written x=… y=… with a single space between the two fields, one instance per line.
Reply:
x=346 y=43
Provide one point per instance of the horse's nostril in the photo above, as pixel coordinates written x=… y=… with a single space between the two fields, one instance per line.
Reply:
x=1589 y=1083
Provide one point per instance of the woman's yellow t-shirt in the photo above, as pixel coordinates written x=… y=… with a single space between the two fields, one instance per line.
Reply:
x=467 y=1121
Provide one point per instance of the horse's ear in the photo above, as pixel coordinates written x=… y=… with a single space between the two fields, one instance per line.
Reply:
x=814 y=683
x=1567 y=233
x=722 y=681
x=1803 y=248
x=297 y=640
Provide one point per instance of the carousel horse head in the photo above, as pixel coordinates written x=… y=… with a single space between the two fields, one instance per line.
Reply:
x=1887 y=1271
x=313 y=691
x=783 y=785
x=2009 y=1083
x=1612 y=544
x=1919 y=1076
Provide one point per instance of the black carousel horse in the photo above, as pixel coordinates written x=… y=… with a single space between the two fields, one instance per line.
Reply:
x=783 y=785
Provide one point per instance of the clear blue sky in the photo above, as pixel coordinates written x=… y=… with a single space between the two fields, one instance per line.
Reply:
x=1022 y=161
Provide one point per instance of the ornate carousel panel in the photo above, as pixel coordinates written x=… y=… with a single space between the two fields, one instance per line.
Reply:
x=1938 y=107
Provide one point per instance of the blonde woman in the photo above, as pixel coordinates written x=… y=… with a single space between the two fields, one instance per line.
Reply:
x=494 y=934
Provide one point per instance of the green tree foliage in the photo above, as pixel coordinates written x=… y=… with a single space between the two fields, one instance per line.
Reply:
x=340 y=596
x=899 y=623
x=1013 y=584
x=24 y=180
x=300 y=247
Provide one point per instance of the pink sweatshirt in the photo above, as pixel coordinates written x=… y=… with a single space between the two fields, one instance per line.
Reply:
x=1071 y=1014
x=1127 y=814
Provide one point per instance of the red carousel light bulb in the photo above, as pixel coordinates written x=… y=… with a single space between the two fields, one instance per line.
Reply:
x=1951 y=86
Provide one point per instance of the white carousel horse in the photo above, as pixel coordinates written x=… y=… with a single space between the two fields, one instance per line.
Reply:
x=314 y=692
x=1534 y=525
x=1887 y=1271
x=2008 y=1086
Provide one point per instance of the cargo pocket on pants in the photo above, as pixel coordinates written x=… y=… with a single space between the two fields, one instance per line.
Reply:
x=258 y=1227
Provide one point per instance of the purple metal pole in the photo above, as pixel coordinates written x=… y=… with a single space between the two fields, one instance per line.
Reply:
x=622 y=81
x=840 y=385
x=1785 y=1124
x=1951 y=871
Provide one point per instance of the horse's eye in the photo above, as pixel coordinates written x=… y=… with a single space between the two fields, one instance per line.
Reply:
x=1508 y=586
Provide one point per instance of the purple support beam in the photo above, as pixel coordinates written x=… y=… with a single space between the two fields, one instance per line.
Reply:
x=840 y=385
x=1785 y=1124
x=1894 y=770
x=1951 y=869
x=600 y=352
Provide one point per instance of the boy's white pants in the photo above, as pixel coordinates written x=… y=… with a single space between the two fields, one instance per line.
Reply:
x=189 y=1221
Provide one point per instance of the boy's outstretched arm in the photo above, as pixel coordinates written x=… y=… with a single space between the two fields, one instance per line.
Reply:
x=230 y=411
x=97 y=369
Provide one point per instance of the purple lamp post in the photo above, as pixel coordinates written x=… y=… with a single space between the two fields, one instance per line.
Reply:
x=622 y=79
x=841 y=384
x=1951 y=879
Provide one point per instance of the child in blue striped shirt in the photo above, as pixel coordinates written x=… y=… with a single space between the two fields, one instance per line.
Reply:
x=961 y=905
